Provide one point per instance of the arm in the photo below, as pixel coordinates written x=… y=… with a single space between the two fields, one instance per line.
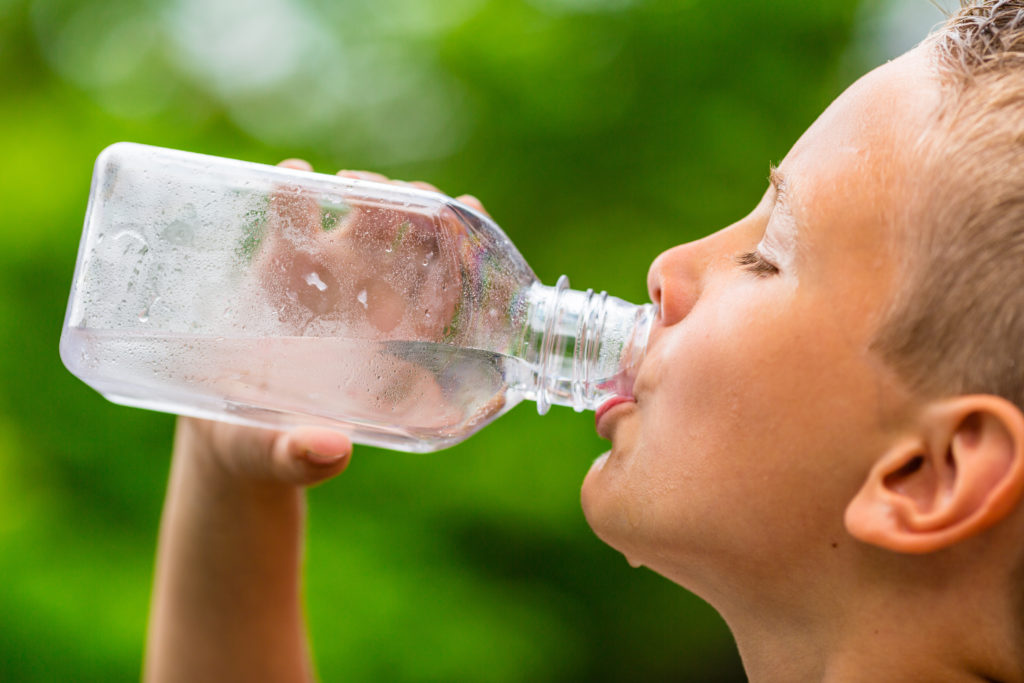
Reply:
x=226 y=603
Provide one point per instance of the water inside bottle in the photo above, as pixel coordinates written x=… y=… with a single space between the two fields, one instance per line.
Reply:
x=405 y=395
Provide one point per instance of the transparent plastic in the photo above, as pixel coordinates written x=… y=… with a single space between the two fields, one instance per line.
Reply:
x=272 y=297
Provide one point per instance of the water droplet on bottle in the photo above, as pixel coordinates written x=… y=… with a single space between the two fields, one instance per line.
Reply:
x=145 y=312
x=313 y=280
x=179 y=233
x=387 y=249
x=361 y=297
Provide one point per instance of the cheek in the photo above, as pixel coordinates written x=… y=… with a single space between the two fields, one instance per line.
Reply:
x=623 y=502
x=711 y=392
x=722 y=374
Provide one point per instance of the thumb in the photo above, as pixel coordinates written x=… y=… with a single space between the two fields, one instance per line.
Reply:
x=307 y=456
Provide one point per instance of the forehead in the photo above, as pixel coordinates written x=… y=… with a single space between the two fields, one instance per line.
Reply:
x=850 y=175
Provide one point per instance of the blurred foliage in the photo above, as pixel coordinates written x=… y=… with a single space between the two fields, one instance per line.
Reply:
x=597 y=132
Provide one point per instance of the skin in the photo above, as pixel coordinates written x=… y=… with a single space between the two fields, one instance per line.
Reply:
x=760 y=410
x=768 y=461
x=695 y=477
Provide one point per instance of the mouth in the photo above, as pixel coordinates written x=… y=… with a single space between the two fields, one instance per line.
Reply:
x=600 y=421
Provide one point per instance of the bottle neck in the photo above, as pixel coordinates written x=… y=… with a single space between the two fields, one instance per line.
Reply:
x=582 y=348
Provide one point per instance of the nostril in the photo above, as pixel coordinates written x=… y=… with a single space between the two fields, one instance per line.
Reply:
x=656 y=296
x=654 y=281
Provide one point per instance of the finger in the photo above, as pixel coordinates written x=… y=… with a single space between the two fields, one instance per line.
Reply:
x=384 y=228
x=297 y=164
x=379 y=178
x=366 y=175
x=420 y=185
x=293 y=208
x=308 y=455
x=289 y=261
x=473 y=203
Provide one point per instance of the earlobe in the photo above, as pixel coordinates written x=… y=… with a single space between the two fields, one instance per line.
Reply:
x=957 y=474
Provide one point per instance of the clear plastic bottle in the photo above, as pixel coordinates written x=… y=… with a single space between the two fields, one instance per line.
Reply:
x=272 y=297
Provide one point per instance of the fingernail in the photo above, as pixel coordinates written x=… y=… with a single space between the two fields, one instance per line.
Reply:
x=322 y=459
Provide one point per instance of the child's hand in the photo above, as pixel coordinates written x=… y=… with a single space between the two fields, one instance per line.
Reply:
x=303 y=456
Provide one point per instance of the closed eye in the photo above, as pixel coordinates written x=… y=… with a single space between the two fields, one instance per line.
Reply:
x=754 y=262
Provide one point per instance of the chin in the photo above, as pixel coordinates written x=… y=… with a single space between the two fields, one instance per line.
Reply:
x=606 y=508
x=619 y=517
x=594 y=496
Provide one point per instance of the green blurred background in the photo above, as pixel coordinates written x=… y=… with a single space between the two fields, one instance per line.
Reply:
x=597 y=132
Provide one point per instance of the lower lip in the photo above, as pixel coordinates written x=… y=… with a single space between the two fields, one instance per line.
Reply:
x=608 y=405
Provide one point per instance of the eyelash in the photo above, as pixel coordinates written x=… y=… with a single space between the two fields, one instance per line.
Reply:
x=753 y=262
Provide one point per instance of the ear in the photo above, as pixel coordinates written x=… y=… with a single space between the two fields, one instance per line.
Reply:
x=960 y=472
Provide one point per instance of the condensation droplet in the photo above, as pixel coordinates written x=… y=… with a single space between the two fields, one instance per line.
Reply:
x=361 y=297
x=145 y=312
x=313 y=280
x=179 y=233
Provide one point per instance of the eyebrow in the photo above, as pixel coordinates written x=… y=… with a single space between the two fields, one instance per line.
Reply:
x=792 y=227
x=778 y=181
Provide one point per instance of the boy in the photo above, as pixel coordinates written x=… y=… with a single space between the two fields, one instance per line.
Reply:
x=825 y=440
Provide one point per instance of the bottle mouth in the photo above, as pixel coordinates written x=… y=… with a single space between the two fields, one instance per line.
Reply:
x=634 y=352
x=591 y=347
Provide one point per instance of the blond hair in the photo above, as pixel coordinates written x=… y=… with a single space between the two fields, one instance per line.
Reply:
x=957 y=326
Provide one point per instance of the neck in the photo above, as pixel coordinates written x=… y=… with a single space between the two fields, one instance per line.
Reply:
x=916 y=628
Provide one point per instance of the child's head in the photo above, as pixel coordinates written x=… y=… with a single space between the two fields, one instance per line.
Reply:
x=830 y=408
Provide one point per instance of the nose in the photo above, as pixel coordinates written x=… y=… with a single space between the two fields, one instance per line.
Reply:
x=673 y=282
